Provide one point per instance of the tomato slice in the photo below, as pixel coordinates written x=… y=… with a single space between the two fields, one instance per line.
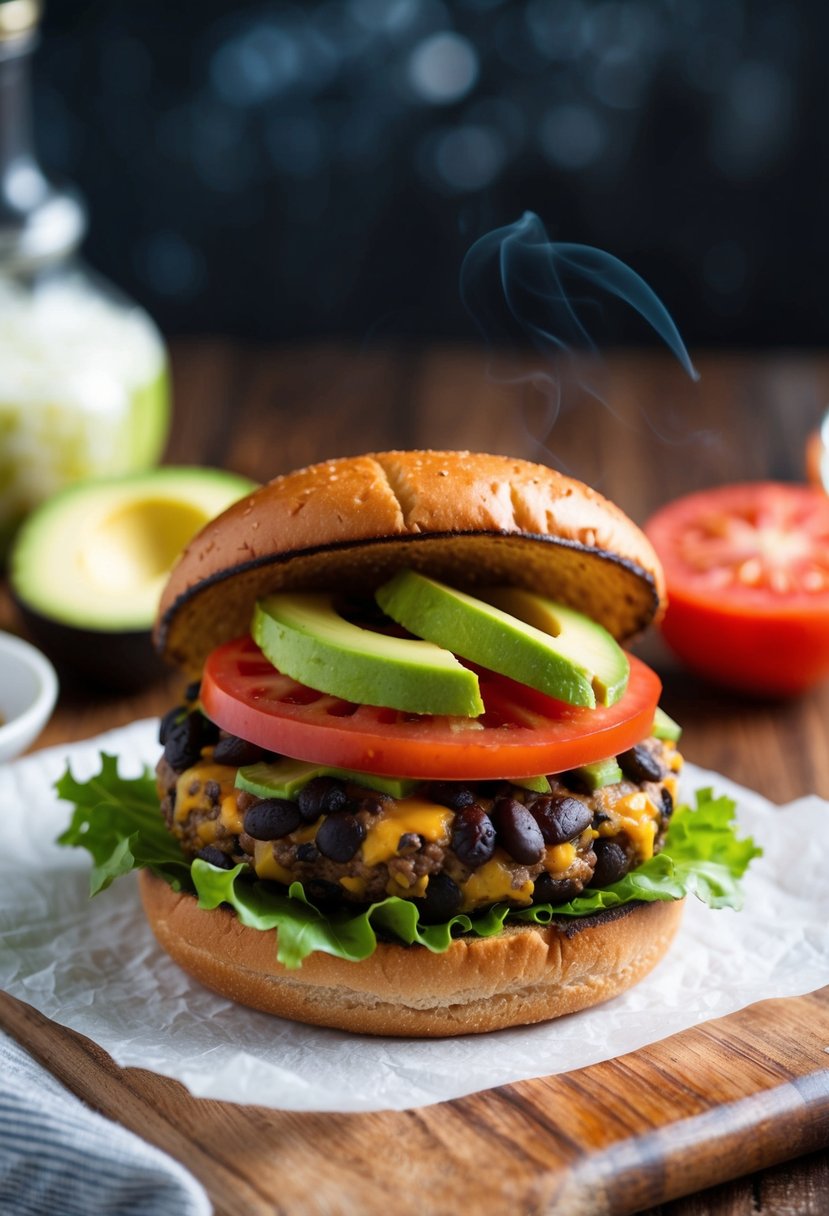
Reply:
x=747 y=571
x=522 y=733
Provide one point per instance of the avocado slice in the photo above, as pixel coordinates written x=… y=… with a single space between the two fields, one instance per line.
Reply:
x=285 y=778
x=538 y=785
x=524 y=636
x=664 y=726
x=306 y=638
x=598 y=774
x=87 y=567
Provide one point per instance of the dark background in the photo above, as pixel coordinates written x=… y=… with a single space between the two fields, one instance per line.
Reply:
x=279 y=172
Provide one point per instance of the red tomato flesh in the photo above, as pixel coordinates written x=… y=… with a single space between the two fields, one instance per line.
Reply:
x=747 y=571
x=521 y=734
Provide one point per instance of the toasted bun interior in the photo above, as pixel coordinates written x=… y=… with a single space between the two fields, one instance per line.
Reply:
x=465 y=517
x=525 y=974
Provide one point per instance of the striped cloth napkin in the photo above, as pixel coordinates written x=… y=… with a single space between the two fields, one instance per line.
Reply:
x=58 y=1156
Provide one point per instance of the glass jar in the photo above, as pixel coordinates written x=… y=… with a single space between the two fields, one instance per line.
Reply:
x=83 y=371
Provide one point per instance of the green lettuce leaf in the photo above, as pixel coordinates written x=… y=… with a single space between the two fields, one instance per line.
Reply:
x=118 y=820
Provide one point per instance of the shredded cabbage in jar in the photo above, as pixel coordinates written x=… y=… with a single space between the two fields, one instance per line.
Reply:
x=83 y=390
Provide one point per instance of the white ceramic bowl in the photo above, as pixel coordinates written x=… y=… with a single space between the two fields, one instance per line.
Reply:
x=28 y=691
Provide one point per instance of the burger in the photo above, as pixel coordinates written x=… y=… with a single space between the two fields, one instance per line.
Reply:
x=415 y=786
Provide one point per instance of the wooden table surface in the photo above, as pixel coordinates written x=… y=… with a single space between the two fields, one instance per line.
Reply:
x=643 y=434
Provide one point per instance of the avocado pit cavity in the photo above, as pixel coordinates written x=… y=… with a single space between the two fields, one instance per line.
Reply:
x=131 y=550
x=87 y=567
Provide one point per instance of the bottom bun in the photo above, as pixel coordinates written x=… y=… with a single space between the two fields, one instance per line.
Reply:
x=527 y=973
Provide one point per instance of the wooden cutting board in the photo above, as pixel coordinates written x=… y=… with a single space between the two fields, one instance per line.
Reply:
x=712 y=1103
x=704 y=1106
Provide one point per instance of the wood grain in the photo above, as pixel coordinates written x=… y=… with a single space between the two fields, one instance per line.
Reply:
x=730 y=1098
x=610 y=1139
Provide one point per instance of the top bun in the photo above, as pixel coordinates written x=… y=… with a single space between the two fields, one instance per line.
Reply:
x=467 y=518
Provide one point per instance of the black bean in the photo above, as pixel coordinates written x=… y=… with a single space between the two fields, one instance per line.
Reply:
x=573 y=780
x=209 y=730
x=442 y=900
x=216 y=857
x=549 y=890
x=640 y=764
x=491 y=789
x=307 y=852
x=452 y=794
x=560 y=819
x=517 y=831
x=321 y=796
x=182 y=748
x=213 y=790
x=340 y=837
x=409 y=842
x=373 y=803
x=320 y=891
x=191 y=692
x=169 y=720
x=235 y=751
x=667 y=803
x=272 y=818
x=473 y=836
x=611 y=863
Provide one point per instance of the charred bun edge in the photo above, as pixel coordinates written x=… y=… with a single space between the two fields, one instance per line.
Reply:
x=351 y=523
x=525 y=974
x=647 y=613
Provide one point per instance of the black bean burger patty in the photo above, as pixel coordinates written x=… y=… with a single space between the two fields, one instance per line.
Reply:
x=452 y=846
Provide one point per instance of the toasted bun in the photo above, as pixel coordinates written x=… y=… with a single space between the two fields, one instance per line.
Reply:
x=462 y=516
x=525 y=974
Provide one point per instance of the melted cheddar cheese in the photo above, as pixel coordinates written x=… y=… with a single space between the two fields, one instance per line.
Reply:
x=426 y=819
x=305 y=835
x=415 y=890
x=674 y=758
x=559 y=857
x=197 y=777
x=206 y=831
x=266 y=865
x=493 y=883
x=638 y=817
x=230 y=815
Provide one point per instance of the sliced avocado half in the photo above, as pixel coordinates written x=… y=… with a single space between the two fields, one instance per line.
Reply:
x=87 y=567
x=524 y=636
x=286 y=777
x=598 y=774
x=306 y=638
x=664 y=726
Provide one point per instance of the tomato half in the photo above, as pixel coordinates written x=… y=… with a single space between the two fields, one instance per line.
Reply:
x=747 y=571
x=521 y=734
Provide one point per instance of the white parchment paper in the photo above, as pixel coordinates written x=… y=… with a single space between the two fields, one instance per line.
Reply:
x=94 y=966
